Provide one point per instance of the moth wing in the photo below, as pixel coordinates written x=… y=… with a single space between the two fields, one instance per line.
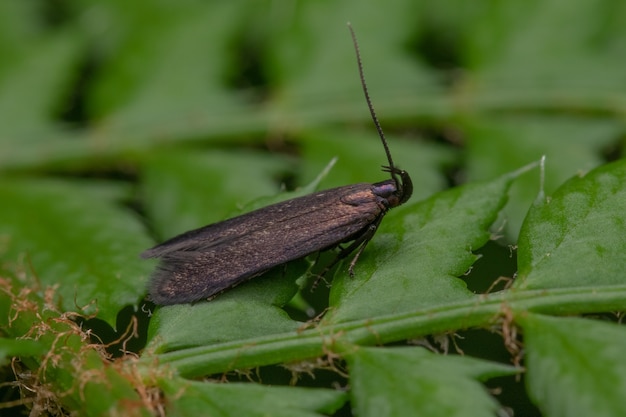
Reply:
x=204 y=262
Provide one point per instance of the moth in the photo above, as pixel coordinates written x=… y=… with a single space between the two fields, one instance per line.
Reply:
x=204 y=262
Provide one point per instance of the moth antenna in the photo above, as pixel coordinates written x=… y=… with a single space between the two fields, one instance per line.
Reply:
x=392 y=168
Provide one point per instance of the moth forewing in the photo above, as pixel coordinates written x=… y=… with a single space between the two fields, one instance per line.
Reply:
x=204 y=262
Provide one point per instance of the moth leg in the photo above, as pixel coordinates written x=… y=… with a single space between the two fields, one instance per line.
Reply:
x=360 y=247
x=319 y=277
x=343 y=252
x=358 y=244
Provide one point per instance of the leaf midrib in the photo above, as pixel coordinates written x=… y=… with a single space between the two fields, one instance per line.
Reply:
x=480 y=311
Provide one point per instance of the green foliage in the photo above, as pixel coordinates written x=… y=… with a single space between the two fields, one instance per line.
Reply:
x=562 y=349
x=77 y=239
x=125 y=123
x=377 y=371
x=206 y=398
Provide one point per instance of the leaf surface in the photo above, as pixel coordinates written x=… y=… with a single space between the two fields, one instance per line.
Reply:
x=576 y=366
x=78 y=241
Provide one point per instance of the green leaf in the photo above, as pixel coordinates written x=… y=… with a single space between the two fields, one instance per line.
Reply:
x=166 y=80
x=420 y=251
x=29 y=95
x=414 y=381
x=249 y=311
x=19 y=347
x=191 y=398
x=576 y=366
x=516 y=48
x=576 y=237
x=18 y=24
x=77 y=241
x=72 y=373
